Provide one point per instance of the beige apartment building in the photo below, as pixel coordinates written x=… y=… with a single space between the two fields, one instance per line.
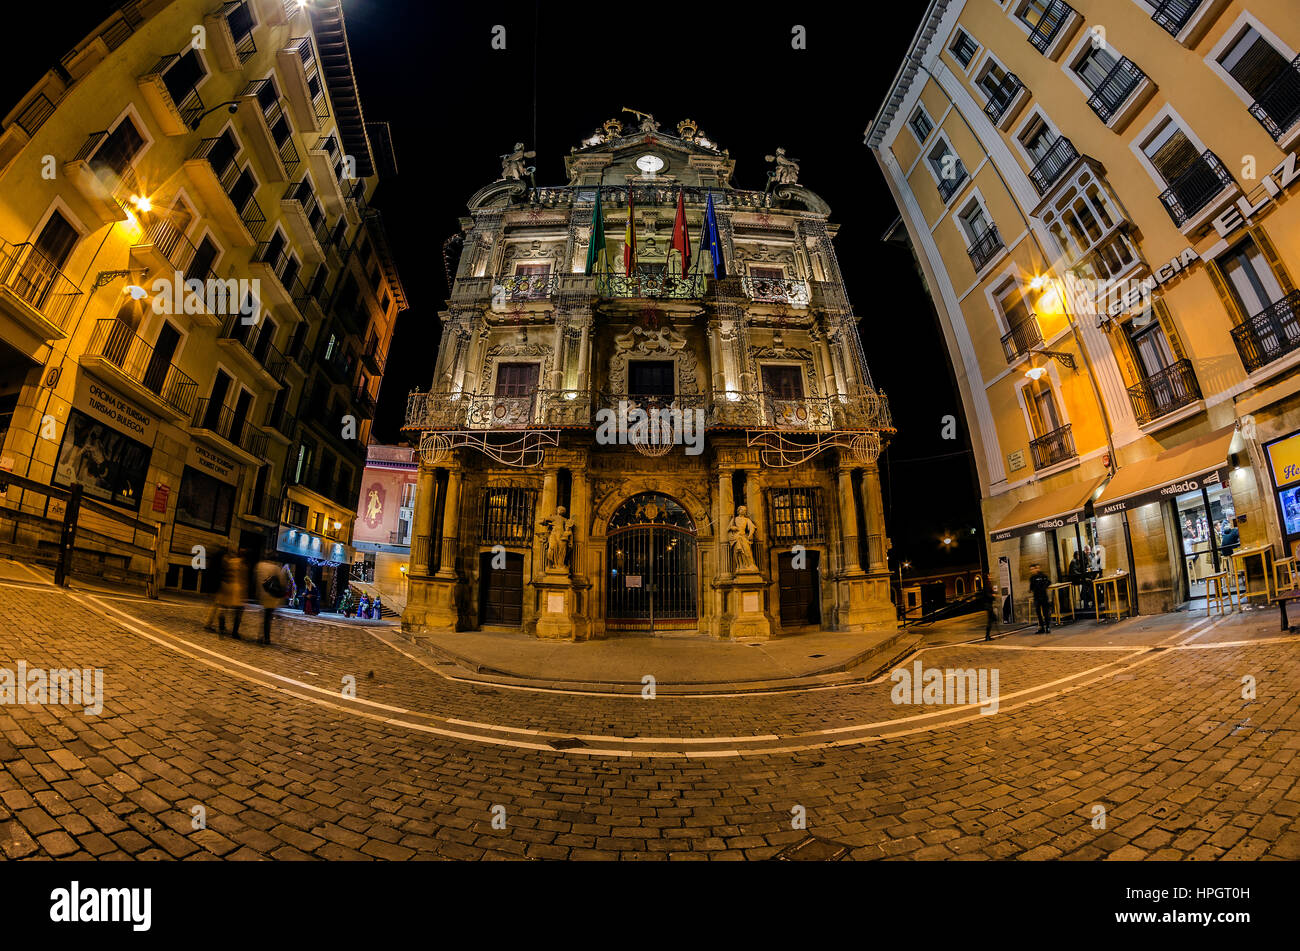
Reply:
x=1099 y=197
x=196 y=297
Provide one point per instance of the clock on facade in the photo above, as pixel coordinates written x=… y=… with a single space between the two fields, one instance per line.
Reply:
x=650 y=164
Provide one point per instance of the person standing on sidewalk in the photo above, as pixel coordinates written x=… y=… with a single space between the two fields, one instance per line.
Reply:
x=272 y=585
x=1038 y=585
x=991 y=609
x=234 y=590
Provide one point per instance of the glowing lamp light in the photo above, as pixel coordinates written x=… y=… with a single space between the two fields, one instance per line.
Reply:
x=337 y=525
x=1038 y=283
x=136 y=291
x=141 y=204
x=1036 y=373
x=571 y=395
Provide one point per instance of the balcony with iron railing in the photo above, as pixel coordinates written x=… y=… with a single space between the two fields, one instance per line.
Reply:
x=985 y=248
x=254 y=343
x=1055 y=162
x=34 y=293
x=268 y=129
x=1195 y=188
x=232 y=41
x=1024 y=337
x=1052 y=448
x=730 y=409
x=776 y=290
x=312 y=295
x=1278 y=105
x=303 y=85
x=328 y=165
x=174 y=117
x=650 y=284
x=1173 y=15
x=265 y=508
x=282 y=422
x=218 y=177
x=1269 y=335
x=115 y=349
x=278 y=270
x=949 y=184
x=306 y=219
x=1161 y=393
x=446 y=410
x=106 y=189
x=1056 y=15
x=363 y=402
x=371 y=358
x=527 y=287
x=236 y=430
x=1002 y=96
x=338 y=365
x=1123 y=80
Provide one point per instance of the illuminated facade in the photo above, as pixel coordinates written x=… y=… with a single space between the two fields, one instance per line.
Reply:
x=541 y=506
x=195 y=297
x=1099 y=198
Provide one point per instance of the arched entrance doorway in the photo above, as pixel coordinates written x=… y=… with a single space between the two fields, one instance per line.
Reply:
x=653 y=569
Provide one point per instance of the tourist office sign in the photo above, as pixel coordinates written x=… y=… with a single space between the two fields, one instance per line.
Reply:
x=1229 y=221
x=1159 y=493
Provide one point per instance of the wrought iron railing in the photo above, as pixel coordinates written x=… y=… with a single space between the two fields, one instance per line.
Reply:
x=282 y=422
x=984 y=247
x=245 y=46
x=364 y=403
x=1193 y=188
x=782 y=290
x=171 y=243
x=1058 y=158
x=507 y=515
x=1269 y=335
x=1160 y=393
x=651 y=285
x=371 y=357
x=1278 y=105
x=191 y=105
x=1113 y=91
x=522 y=287
x=441 y=410
x=1173 y=15
x=1056 y=446
x=222 y=420
x=229 y=175
x=948 y=185
x=1045 y=32
x=256 y=340
x=648 y=195
x=266 y=508
x=272 y=113
x=1001 y=97
x=116 y=342
x=38 y=282
x=868 y=409
x=1023 y=337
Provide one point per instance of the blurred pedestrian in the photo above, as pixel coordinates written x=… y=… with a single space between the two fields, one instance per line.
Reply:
x=272 y=585
x=1039 y=582
x=233 y=592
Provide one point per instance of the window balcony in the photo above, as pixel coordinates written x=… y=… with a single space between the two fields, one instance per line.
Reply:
x=1278 y=106
x=106 y=191
x=305 y=219
x=1161 y=393
x=324 y=158
x=1051 y=26
x=36 y=298
x=303 y=87
x=652 y=285
x=985 y=248
x=999 y=108
x=173 y=117
x=281 y=426
x=118 y=352
x=310 y=297
x=276 y=272
x=262 y=125
x=338 y=365
x=733 y=409
x=216 y=421
x=1055 y=447
x=230 y=34
x=1269 y=335
x=1196 y=188
x=251 y=344
x=215 y=178
x=166 y=251
x=364 y=403
x=771 y=290
x=1108 y=99
x=526 y=287
x=371 y=358
x=264 y=510
x=1056 y=161
x=1173 y=15
x=948 y=186
x=1022 y=338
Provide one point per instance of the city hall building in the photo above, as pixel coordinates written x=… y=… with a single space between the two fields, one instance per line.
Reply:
x=1101 y=199
x=648 y=288
x=195 y=293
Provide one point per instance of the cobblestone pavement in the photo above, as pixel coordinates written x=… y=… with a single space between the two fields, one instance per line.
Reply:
x=1146 y=720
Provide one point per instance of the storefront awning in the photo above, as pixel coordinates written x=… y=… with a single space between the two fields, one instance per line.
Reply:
x=1185 y=468
x=1055 y=509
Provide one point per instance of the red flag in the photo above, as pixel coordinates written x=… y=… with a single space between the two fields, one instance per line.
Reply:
x=629 y=237
x=681 y=237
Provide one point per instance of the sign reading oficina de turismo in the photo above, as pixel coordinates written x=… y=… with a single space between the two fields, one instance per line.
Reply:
x=1229 y=221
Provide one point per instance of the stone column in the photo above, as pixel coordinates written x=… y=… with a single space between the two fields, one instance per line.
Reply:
x=451 y=526
x=580 y=502
x=561 y=351
x=584 y=345
x=848 y=523
x=726 y=509
x=873 y=507
x=426 y=488
x=716 y=370
x=827 y=368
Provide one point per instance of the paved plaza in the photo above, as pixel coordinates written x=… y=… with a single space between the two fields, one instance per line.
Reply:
x=1173 y=737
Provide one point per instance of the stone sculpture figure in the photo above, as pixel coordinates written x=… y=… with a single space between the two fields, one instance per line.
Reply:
x=741 y=534
x=786 y=171
x=559 y=536
x=512 y=164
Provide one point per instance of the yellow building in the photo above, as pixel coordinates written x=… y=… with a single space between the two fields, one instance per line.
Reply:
x=195 y=297
x=1099 y=198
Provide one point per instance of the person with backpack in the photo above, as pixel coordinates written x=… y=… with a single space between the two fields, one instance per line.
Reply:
x=272 y=586
x=1039 y=582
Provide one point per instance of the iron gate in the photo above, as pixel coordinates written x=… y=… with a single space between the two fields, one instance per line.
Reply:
x=653 y=566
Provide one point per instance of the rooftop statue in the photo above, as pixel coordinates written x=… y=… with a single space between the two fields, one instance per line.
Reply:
x=512 y=163
x=648 y=123
x=786 y=171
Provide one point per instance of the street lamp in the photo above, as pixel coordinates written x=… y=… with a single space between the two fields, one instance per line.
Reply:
x=901 y=566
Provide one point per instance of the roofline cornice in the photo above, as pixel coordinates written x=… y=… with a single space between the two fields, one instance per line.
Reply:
x=898 y=90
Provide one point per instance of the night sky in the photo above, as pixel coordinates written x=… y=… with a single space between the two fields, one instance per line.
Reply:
x=455 y=105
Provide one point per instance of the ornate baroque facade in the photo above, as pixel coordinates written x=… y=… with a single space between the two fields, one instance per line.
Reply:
x=530 y=514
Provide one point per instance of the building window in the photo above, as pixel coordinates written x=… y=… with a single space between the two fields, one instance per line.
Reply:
x=1194 y=177
x=183 y=76
x=204 y=502
x=1267 y=77
x=119 y=149
x=920 y=124
x=110 y=465
x=947 y=168
x=651 y=378
x=1042 y=408
x=1251 y=282
x=783 y=382
x=517 y=379
x=964 y=48
x=1095 y=65
x=508 y=515
x=295 y=513
x=796 y=514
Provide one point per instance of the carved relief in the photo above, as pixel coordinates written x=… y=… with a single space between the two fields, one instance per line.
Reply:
x=664 y=341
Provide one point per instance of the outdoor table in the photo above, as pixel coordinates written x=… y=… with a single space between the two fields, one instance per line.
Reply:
x=1112 y=600
x=1218 y=589
x=1054 y=592
x=1240 y=561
